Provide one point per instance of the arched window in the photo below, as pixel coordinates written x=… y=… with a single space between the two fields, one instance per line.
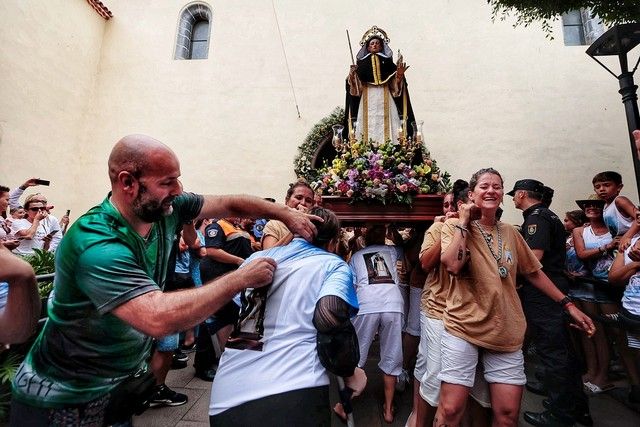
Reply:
x=194 y=31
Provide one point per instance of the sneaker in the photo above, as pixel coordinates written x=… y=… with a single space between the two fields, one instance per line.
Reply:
x=164 y=396
x=188 y=348
x=179 y=360
x=402 y=380
x=180 y=356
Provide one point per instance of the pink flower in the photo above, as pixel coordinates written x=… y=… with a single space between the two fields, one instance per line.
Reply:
x=349 y=193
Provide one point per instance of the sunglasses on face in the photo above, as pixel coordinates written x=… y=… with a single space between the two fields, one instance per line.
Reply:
x=38 y=209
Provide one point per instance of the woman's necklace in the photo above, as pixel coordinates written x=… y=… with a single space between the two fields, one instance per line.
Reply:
x=502 y=270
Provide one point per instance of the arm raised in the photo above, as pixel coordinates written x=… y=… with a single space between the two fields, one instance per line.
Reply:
x=244 y=206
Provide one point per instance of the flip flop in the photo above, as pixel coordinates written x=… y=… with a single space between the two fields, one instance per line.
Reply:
x=596 y=389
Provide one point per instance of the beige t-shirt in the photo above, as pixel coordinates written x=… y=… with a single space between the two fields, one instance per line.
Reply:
x=275 y=228
x=483 y=308
x=434 y=296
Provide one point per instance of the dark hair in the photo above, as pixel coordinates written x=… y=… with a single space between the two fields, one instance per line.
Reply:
x=476 y=176
x=4 y=189
x=607 y=176
x=375 y=37
x=301 y=182
x=327 y=230
x=375 y=235
x=533 y=195
x=547 y=196
x=577 y=217
x=460 y=192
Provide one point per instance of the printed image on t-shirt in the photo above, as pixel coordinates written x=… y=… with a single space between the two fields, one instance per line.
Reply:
x=377 y=269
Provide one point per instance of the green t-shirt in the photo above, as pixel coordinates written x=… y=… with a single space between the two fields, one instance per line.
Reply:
x=84 y=351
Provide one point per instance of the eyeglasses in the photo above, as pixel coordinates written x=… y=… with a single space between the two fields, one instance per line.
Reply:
x=38 y=209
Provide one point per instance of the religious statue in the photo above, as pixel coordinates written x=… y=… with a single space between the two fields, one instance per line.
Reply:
x=377 y=96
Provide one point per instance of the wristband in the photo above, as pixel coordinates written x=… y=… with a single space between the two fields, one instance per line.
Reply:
x=462 y=229
x=565 y=301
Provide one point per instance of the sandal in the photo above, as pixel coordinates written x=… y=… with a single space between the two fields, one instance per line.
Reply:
x=596 y=389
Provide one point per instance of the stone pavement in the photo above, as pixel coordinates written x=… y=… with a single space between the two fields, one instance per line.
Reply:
x=607 y=409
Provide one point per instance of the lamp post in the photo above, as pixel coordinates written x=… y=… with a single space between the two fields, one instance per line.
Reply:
x=619 y=40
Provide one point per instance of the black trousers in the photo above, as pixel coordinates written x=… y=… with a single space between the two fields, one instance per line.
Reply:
x=205 y=356
x=562 y=368
x=304 y=407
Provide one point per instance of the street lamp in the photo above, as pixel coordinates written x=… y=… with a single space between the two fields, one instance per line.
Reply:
x=619 y=40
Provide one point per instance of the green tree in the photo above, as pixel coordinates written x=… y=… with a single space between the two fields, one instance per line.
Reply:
x=526 y=12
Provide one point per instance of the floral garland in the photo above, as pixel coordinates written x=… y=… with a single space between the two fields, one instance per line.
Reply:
x=302 y=162
x=389 y=172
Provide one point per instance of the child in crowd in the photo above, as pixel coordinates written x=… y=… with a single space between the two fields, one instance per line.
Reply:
x=619 y=212
x=625 y=271
x=574 y=219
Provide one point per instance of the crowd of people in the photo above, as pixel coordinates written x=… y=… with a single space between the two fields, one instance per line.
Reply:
x=273 y=298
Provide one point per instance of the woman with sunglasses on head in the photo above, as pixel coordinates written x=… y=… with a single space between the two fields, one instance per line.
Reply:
x=484 y=319
x=37 y=230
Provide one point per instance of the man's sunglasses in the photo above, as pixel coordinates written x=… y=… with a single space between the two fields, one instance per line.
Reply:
x=38 y=209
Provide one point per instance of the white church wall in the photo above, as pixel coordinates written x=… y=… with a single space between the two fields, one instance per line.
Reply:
x=490 y=95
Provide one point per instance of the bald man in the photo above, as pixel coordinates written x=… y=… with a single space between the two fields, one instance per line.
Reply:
x=88 y=366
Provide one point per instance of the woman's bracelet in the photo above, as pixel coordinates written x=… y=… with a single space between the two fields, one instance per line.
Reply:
x=462 y=229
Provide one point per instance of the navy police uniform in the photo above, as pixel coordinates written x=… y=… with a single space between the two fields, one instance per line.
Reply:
x=222 y=235
x=543 y=230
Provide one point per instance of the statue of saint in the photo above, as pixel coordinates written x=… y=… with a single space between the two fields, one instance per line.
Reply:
x=377 y=96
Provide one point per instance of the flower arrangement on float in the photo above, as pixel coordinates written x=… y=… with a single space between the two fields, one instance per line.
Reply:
x=389 y=172
x=392 y=172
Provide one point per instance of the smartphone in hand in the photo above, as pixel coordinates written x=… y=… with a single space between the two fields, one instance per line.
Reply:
x=42 y=182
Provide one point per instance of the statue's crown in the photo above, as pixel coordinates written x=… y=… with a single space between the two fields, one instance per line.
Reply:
x=374 y=32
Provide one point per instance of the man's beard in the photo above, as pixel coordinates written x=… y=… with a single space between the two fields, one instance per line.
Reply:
x=149 y=210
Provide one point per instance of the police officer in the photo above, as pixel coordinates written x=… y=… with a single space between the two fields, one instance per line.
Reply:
x=544 y=233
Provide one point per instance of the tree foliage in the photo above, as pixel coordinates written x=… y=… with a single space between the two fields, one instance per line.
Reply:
x=611 y=12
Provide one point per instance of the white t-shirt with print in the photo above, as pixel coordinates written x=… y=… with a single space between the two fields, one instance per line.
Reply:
x=376 y=279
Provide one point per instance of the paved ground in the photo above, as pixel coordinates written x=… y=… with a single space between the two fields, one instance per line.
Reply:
x=607 y=409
